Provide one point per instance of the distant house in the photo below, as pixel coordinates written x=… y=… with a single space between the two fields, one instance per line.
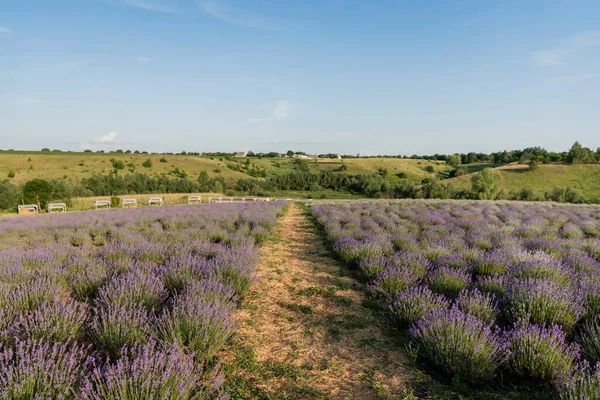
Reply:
x=303 y=156
x=313 y=156
x=240 y=154
x=339 y=157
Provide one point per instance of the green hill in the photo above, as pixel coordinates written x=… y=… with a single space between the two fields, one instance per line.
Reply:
x=585 y=178
x=76 y=166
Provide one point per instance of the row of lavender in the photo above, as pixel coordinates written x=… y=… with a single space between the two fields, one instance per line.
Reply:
x=124 y=304
x=484 y=287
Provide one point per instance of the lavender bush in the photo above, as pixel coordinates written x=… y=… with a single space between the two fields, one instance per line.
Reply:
x=408 y=306
x=459 y=343
x=584 y=384
x=499 y=264
x=35 y=369
x=105 y=278
x=541 y=352
x=148 y=372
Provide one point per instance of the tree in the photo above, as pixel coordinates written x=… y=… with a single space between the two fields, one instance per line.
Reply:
x=487 y=184
x=290 y=153
x=37 y=191
x=10 y=195
x=454 y=160
x=580 y=155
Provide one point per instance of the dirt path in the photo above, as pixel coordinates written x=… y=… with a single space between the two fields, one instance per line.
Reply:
x=304 y=332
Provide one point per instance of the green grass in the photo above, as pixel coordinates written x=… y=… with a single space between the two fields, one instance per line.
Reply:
x=584 y=178
x=77 y=165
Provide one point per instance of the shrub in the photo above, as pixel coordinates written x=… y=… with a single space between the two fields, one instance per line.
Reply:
x=589 y=338
x=448 y=281
x=118 y=325
x=35 y=369
x=163 y=160
x=145 y=371
x=84 y=277
x=392 y=280
x=135 y=287
x=11 y=174
x=459 y=343
x=408 y=306
x=147 y=163
x=584 y=384
x=199 y=327
x=491 y=263
x=54 y=322
x=481 y=306
x=543 y=301
x=540 y=352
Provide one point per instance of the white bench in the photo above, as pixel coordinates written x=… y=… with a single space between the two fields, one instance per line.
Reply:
x=236 y=199
x=129 y=203
x=28 y=209
x=155 y=200
x=194 y=199
x=101 y=204
x=60 y=207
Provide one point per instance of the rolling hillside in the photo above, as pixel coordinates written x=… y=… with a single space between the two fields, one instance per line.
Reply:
x=585 y=178
x=76 y=166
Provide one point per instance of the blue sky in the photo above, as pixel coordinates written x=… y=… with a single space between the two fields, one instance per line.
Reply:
x=349 y=76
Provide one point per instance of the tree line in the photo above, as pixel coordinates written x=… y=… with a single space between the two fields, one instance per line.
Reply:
x=487 y=185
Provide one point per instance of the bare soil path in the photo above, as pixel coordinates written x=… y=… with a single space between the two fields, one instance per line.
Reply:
x=305 y=331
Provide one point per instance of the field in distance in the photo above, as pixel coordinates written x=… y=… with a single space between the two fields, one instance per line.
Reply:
x=76 y=166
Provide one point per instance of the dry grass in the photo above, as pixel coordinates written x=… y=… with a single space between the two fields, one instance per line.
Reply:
x=304 y=332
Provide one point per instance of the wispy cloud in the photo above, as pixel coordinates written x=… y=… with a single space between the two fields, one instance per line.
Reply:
x=105 y=142
x=558 y=54
x=27 y=101
x=237 y=16
x=581 y=77
x=281 y=111
x=142 y=59
x=549 y=57
x=110 y=137
x=163 y=6
x=4 y=31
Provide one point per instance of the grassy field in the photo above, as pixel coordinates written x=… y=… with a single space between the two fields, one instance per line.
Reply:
x=584 y=178
x=76 y=166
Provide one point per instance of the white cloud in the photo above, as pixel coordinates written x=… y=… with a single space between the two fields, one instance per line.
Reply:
x=142 y=59
x=281 y=111
x=163 y=6
x=549 y=57
x=557 y=55
x=4 y=31
x=111 y=137
x=27 y=101
x=236 y=16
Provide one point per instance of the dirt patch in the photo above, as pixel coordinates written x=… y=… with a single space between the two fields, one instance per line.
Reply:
x=305 y=332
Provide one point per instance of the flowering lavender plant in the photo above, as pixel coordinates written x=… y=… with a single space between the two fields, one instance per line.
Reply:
x=408 y=306
x=540 y=352
x=459 y=343
x=35 y=369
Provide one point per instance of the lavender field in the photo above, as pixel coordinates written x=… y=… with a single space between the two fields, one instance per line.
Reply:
x=484 y=289
x=124 y=304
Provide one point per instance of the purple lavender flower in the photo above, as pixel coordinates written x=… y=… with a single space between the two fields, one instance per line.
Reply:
x=55 y=322
x=480 y=305
x=459 y=343
x=198 y=326
x=543 y=301
x=540 y=352
x=147 y=371
x=35 y=369
x=448 y=281
x=408 y=306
